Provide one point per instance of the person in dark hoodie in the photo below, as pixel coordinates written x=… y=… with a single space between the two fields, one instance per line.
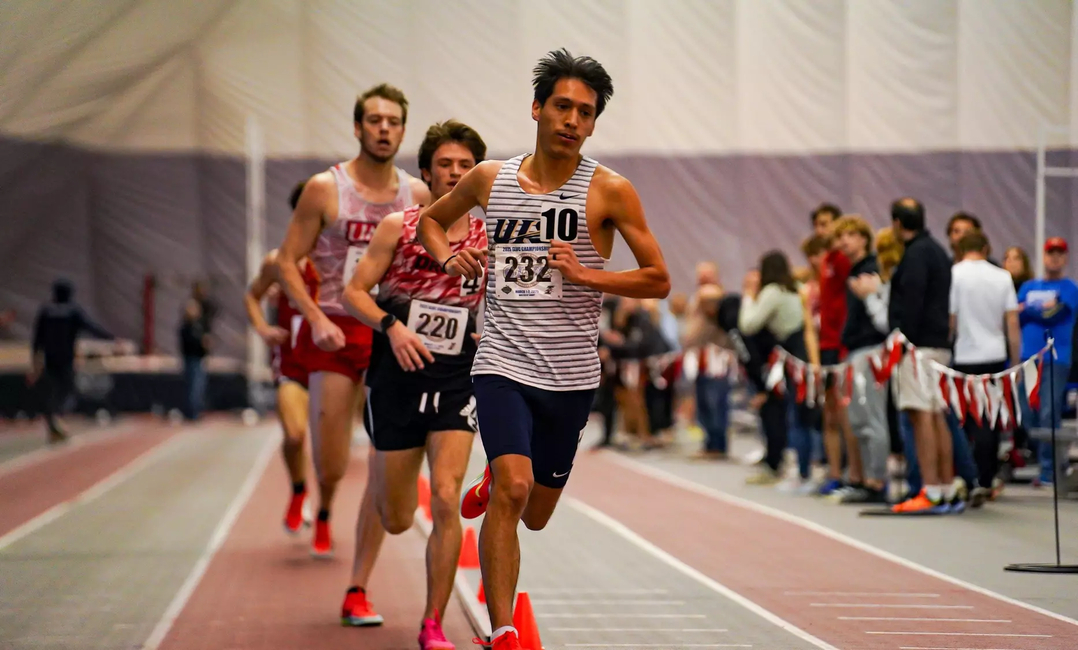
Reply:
x=56 y=328
x=868 y=404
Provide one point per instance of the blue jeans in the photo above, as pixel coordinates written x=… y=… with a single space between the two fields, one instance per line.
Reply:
x=1051 y=412
x=713 y=410
x=963 y=457
x=194 y=377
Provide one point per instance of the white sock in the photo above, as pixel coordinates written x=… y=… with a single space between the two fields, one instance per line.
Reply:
x=950 y=491
x=934 y=492
x=502 y=630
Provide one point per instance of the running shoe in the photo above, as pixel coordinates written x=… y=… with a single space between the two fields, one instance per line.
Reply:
x=322 y=547
x=295 y=519
x=431 y=636
x=920 y=504
x=357 y=611
x=475 y=499
x=507 y=641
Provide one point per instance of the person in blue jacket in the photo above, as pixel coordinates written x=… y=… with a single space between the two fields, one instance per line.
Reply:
x=1047 y=307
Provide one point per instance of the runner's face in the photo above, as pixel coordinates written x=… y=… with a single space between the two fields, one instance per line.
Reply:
x=566 y=119
x=382 y=130
x=450 y=162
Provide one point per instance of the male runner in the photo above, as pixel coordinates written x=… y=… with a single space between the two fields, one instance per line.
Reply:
x=551 y=219
x=420 y=397
x=289 y=373
x=333 y=224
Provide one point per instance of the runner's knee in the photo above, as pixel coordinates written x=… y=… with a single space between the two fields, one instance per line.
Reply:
x=513 y=488
x=444 y=500
x=396 y=522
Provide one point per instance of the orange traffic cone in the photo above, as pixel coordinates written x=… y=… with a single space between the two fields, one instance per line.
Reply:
x=424 y=495
x=524 y=622
x=482 y=595
x=469 y=550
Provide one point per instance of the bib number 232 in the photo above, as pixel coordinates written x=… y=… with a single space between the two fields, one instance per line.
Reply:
x=522 y=264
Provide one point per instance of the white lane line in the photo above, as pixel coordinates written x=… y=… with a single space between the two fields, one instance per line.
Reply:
x=693 y=486
x=890 y=606
x=76 y=442
x=687 y=570
x=580 y=592
x=220 y=534
x=614 y=615
x=935 y=620
x=1023 y=636
x=860 y=594
x=91 y=493
x=633 y=629
x=541 y=601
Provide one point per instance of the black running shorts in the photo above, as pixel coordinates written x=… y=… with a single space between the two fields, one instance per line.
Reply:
x=401 y=417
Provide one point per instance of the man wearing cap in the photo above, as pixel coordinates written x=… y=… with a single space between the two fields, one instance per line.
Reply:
x=1047 y=307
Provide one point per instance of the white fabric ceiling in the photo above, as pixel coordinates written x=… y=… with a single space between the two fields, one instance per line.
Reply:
x=691 y=76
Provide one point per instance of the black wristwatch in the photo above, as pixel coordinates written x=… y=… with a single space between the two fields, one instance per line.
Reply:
x=387 y=322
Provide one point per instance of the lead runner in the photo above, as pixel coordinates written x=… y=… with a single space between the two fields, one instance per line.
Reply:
x=551 y=217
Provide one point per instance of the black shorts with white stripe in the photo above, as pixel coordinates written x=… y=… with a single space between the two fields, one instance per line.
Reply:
x=397 y=418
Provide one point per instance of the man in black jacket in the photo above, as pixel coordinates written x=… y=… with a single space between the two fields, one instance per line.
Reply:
x=56 y=328
x=920 y=309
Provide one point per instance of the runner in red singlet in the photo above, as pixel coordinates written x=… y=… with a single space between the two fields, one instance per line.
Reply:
x=289 y=373
x=421 y=400
x=333 y=224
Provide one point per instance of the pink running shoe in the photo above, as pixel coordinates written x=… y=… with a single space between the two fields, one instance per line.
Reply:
x=431 y=636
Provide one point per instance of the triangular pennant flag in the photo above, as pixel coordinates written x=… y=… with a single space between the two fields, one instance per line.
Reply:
x=962 y=395
x=975 y=403
x=776 y=374
x=690 y=364
x=1032 y=375
x=945 y=388
x=993 y=392
x=801 y=380
x=1010 y=386
x=894 y=355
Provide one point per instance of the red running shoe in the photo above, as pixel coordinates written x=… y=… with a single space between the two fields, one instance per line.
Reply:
x=323 y=541
x=475 y=499
x=357 y=611
x=295 y=519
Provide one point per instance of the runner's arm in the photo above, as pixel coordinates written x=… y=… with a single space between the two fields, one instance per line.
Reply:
x=370 y=270
x=623 y=208
x=435 y=221
x=252 y=299
x=298 y=242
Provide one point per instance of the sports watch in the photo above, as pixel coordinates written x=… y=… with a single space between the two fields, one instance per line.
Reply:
x=387 y=322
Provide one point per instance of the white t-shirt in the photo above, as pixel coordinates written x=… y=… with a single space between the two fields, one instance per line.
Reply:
x=981 y=296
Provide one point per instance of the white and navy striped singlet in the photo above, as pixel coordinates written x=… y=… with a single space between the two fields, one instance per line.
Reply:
x=539 y=329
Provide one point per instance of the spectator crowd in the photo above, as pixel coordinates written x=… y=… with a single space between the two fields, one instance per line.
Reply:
x=897 y=370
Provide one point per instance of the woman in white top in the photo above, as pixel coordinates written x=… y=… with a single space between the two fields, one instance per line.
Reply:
x=780 y=311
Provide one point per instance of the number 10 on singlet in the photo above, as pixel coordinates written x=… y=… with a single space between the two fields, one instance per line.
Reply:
x=522 y=264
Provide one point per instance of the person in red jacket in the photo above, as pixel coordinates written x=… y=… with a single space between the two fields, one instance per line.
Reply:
x=834 y=272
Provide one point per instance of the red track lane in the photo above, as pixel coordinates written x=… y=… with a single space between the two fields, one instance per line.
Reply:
x=31 y=490
x=798 y=574
x=262 y=591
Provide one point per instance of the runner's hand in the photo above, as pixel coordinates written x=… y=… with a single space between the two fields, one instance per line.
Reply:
x=469 y=262
x=326 y=335
x=274 y=335
x=408 y=347
x=562 y=257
